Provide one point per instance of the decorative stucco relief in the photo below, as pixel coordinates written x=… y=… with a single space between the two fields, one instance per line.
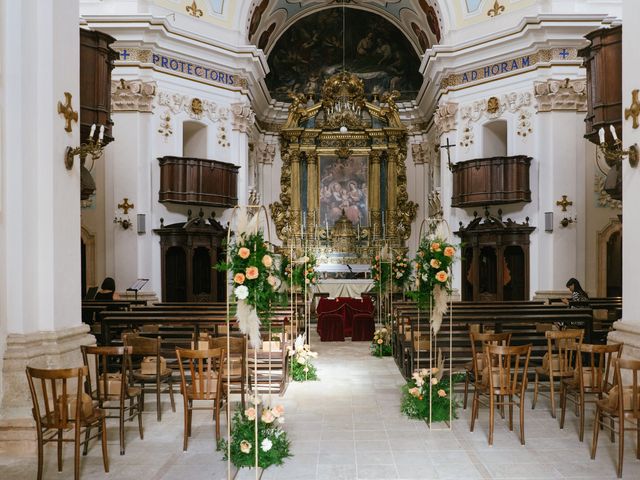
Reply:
x=561 y=95
x=243 y=117
x=177 y=103
x=132 y=95
x=445 y=117
x=604 y=199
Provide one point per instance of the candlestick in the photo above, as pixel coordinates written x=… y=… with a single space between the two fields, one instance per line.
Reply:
x=101 y=133
x=93 y=130
x=613 y=132
x=601 y=135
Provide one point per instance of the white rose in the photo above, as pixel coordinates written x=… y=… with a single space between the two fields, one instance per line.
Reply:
x=302 y=360
x=266 y=445
x=425 y=277
x=241 y=292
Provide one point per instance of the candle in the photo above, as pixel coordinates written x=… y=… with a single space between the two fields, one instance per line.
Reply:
x=601 y=135
x=93 y=130
x=613 y=132
x=101 y=133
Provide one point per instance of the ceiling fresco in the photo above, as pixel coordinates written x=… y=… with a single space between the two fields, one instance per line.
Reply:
x=311 y=50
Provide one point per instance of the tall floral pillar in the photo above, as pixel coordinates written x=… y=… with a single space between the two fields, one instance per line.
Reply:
x=40 y=288
x=627 y=330
x=241 y=123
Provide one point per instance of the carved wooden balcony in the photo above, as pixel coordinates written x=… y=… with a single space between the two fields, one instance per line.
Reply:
x=491 y=181
x=198 y=181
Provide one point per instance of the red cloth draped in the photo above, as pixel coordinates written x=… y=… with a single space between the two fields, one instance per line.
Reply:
x=346 y=308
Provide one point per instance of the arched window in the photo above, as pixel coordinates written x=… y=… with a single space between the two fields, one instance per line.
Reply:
x=495 y=139
x=194 y=140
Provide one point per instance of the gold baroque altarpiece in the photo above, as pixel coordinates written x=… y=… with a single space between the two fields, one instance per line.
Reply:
x=360 y=148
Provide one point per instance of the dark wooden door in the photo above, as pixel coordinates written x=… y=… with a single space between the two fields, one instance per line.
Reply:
x=175 y=275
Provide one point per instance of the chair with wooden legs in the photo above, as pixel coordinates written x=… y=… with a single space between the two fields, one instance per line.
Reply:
x=558 y=363
x=236 y=371
x=591 y=378
x=58 y=408
x=622 y=404
x=201 y=380
x=504 y=377
x=157 y=378
x=475 y=366
x=113 y=385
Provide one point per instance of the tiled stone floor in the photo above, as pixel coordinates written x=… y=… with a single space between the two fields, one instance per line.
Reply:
x=347 y=426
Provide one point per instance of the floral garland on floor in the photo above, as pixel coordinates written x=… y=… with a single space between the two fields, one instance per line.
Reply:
x=428 y=384
x=381 y=344
x=401 y=271
x=254 y=282
x=302 y=369
x=273 y=444
x=433 y=261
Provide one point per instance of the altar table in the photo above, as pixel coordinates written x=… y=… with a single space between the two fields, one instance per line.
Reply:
x=345 y=317
x=344 y=288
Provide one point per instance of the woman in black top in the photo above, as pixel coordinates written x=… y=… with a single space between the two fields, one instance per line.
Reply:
x=107 y=290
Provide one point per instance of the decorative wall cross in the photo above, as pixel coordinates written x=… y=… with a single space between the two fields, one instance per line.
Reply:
x=564 y=203
x=67 y=110
x=125 y=206
x=193 y=10
x=496 y=10
x=634 y=109
x=448 y=146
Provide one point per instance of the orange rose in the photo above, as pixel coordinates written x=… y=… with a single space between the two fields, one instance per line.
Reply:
x=238 y=278
x=244 y=252
x=441 y=276
x=252 y=273
x=449 y=251
x=267 y=261
x=435 y=263
x=435 y=247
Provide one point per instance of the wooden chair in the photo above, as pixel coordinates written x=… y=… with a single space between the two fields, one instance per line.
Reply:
x=559 y=362
x=474 y=367
x=504 y=377
x=113 y=382
x=57 y=408
x=621 y=404
x=204 y=382
x=591 y=378
x=161 y=380
x=236 y=374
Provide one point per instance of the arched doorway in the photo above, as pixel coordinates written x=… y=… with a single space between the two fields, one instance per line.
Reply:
x=610 y=260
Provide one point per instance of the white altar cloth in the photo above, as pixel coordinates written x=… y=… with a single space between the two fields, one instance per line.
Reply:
x=344 y=288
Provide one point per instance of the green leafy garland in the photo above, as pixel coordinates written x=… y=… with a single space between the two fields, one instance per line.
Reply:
x=381 y=346
x=299 y=272
x=415 y=396
x=401 y=271
x=380 y=272
x=273 y=444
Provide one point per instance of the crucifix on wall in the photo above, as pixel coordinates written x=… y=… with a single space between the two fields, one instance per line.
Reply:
x=448 y=146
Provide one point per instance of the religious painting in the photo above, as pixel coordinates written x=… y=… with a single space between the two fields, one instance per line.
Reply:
x=344 y=186
x=311 y=51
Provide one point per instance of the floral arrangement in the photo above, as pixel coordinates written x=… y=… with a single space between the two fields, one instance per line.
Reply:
x=302 y=271
x=273 y=445
x=401 y=270
x=254 y=281
x=381 y=344
x=433 y=279
x=301 y=367
x=427 y=396
x=380 y=271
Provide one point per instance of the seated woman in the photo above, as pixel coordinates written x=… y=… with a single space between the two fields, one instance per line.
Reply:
x=107 y=290
x=577 y=293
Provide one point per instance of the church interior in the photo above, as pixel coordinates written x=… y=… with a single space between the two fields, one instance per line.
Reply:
x=319 y=239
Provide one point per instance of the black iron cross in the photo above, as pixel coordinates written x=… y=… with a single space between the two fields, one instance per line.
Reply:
x=448 y=146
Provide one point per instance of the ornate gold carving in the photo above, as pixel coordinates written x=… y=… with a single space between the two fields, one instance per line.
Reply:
x=193 y=10
x=564 y=203
x=496 y=10
x=634 y=110
x=70 y=115
x=196 y=107
x=344 y=152
x=125 y=205
x=493 y=105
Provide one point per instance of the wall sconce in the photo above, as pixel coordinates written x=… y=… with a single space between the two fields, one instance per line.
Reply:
x=565 y=222
x=123 y=219
x=93 y=147
x=564 y=203
x=548 y=222
x=614 y=153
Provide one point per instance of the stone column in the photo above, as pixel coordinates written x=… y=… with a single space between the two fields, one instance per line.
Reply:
x=40 y=311
x=242 y=120
x=374 y=194
x=628 y=329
